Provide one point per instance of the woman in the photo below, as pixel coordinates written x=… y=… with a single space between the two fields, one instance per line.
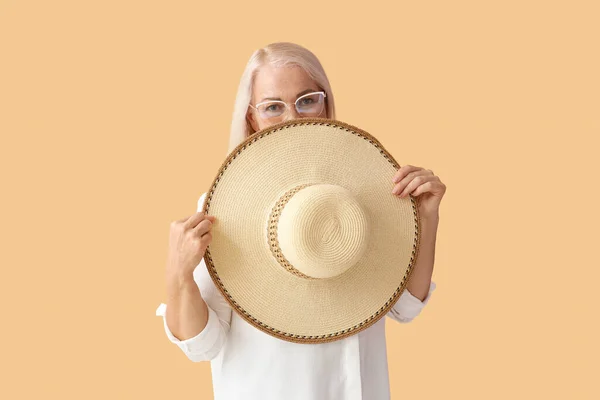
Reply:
x=284 y=81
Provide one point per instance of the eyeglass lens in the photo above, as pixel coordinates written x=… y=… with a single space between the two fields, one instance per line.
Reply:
x=307 y=105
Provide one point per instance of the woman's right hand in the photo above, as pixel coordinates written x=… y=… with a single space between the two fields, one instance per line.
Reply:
x=188 y=239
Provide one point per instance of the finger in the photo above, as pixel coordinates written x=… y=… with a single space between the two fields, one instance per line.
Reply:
x=415 y=183
x=203 y=227
x=402 y=172
x=194 y=220
x=400 y=186
x=211 y=218
x=206 y=239
x=424 y=188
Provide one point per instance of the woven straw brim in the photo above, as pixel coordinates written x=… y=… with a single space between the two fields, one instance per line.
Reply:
x=240 y=261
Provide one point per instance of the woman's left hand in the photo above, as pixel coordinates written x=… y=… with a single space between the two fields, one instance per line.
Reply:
x=423 y=183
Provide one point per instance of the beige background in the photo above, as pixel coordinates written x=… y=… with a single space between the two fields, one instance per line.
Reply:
x=114 y=117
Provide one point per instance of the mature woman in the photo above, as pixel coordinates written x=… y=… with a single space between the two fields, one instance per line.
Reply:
x=283 y=81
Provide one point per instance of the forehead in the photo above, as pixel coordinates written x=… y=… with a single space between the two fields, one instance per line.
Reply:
x=284 y=82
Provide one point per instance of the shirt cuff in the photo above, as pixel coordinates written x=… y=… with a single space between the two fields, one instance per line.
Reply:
x=204 y=341
x=201 y=201
x=410 y=306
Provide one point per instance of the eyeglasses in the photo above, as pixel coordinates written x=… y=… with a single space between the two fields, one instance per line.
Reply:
x=308 y=105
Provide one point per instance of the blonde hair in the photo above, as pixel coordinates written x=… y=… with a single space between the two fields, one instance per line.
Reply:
x=277 y=54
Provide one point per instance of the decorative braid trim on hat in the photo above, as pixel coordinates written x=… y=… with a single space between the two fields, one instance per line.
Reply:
x=272 y=231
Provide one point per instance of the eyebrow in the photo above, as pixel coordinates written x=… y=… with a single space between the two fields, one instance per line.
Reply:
x=298 y=95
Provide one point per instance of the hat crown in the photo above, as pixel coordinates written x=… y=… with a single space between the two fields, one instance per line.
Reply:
x=322 y=230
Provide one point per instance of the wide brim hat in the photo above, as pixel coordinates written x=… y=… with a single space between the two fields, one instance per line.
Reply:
x=310 y=243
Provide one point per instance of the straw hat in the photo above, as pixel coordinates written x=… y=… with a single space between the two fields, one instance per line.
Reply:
x=310 y=244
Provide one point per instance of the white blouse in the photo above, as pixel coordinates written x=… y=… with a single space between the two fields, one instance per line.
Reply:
x=249 y=364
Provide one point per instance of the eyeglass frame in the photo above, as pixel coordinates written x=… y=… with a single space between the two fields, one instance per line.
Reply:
x=287 y=105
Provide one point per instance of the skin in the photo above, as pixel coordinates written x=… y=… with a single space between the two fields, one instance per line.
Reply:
x=187 y=313
x=428 y=189
x=283 y=83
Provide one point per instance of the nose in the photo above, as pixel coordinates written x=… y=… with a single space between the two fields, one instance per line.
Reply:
x=293 y=113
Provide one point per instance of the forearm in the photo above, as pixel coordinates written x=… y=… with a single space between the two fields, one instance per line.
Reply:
x=420 y=278
x=187 y=312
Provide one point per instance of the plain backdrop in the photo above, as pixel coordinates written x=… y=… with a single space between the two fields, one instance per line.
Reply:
x=114 y=118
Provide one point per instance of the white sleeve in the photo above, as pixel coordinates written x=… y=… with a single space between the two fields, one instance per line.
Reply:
x=207 y=344
x=201 y=202
x=408 y=306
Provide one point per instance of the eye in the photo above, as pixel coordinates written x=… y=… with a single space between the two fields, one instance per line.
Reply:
x=307 y=100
